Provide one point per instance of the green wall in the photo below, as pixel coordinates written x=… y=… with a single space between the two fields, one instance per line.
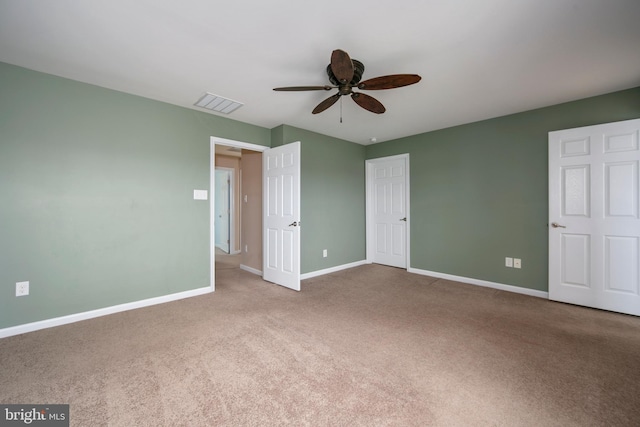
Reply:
x=96 y=195
x=97 y=209
x=332 y=198
x=479 y=191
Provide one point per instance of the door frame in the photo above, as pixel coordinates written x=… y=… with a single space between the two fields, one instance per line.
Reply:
x=369 y=205
x=214 y=140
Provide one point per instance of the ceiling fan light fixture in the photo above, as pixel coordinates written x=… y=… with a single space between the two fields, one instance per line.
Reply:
x=345 y=74
x=218 y=103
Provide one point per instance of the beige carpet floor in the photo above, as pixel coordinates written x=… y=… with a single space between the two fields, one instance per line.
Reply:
x=369 y=346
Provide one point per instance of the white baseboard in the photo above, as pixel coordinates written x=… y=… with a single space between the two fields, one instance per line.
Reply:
x=486 y=284
x=332 y=269
x=251 y=270
x=72 y=318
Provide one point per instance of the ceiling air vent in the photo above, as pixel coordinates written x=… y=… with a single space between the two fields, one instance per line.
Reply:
x=218 y=103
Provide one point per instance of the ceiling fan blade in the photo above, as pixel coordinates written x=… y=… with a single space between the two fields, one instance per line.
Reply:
x=341 y=66
x=326 y=104
x=389 y=82
x=299 y=88
x=368 y=102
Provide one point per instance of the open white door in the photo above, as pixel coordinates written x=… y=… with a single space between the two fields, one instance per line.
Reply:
x=387 y=210
x=223 y=209
x=281 y=201
x=594 y=222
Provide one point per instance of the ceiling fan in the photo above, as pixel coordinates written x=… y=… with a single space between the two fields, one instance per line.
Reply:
x=345 y=74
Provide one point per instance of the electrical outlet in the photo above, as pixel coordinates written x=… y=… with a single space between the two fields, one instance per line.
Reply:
x=517 y=263
x=324 y=253
x=508 y=262
x=246 y=248
x=22 y=289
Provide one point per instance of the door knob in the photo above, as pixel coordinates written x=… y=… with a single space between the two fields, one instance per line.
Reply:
x=294 y=224
x=403 y=219
x=556 y=225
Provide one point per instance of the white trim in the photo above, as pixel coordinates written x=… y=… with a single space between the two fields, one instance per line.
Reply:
x=251 y=270
x=239 y=144
x=484 y=283
x=332 y=269
x=72 y=318
x=407 y=194
x=212 y=185
x=369 y=200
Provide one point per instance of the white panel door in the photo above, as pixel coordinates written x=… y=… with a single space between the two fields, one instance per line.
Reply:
x=387 y=183
x=594 y=222
x=281 y=180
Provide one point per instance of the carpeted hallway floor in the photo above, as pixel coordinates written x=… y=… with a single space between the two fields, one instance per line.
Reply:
x=369 y=346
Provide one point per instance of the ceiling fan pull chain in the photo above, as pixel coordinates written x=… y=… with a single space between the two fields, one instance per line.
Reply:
x=340 y=109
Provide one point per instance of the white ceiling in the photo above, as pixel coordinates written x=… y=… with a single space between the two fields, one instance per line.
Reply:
x=478 y=58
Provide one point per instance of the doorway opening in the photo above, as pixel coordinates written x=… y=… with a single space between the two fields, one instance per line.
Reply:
x=235 y=206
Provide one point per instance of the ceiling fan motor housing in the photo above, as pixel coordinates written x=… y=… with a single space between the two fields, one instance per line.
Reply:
x=358 y=70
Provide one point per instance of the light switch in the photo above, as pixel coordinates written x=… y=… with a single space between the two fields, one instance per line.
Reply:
x=200 y=194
